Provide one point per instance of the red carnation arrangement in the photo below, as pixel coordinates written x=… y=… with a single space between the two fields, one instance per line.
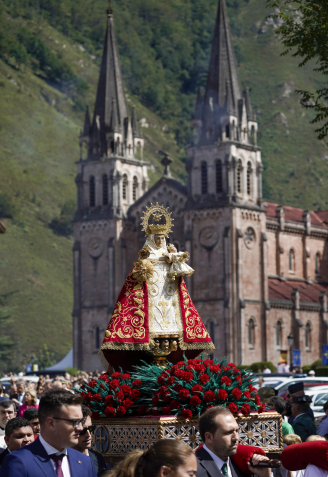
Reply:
x=115 y=395
x=190 y=387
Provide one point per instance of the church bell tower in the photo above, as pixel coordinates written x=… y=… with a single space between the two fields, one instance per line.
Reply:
x=224 y=217
x=111 y=176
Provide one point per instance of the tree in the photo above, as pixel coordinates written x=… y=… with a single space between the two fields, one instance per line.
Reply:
x=6 y=342
x=305 y=32
x=45 y=357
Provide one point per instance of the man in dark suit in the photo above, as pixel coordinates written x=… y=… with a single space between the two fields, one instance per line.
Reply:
x=295 y=390
x=219 y=432
x=61 y=421
x=84 y=444
x=302 y=424
x=19 y=433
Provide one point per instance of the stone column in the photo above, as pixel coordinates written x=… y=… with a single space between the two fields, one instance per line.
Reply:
x=228 y=351
x=240 y=325
x=111 y=273
x=77 y=324
x=265 y=303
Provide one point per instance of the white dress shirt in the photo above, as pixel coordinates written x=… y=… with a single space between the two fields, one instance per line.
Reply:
x=51 y=450
x=219 y=462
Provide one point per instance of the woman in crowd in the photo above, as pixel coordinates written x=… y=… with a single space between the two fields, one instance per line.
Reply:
x=30 y=400
x=166 y=457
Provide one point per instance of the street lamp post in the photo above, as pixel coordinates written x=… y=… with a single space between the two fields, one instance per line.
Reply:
x=290 y=339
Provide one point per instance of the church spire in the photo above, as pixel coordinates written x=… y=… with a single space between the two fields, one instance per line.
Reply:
x=223 y=71
x=110 y=92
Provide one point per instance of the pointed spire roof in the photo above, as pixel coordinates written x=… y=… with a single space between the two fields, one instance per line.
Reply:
x=222 y=80
x=110 y=84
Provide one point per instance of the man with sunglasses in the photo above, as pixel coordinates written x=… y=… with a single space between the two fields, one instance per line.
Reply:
x=51 y=454
x=85 y=441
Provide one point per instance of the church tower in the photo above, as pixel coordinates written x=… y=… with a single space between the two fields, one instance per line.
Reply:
x=111 y=177
x=225 y=219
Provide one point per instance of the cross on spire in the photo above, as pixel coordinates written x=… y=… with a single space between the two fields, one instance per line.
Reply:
x=166 y=161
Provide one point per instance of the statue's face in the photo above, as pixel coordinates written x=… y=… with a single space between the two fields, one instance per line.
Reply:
x=165 y=345
x=159 y=240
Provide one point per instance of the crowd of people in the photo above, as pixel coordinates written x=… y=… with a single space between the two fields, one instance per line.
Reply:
x=46 y=430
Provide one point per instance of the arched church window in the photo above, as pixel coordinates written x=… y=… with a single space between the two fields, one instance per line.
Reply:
x=291 y=261
x=249 y=178
x=227 y=128
x=317 y=263
x=97 y=337
x=279 y=334
x=125 y=186
x=105 y=189
x=204 y=177
x=218 y=167
x=135 y=188
x=251 y=332
x=92 y=191
x=239 y=173
x=308 y=336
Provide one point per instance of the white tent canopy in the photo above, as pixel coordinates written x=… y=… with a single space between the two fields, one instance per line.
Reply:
x=66 y=362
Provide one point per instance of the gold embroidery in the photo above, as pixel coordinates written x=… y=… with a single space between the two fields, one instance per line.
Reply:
x=194 y=326
x=118 y=325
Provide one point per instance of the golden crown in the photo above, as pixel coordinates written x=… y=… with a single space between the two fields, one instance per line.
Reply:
x=157 y=211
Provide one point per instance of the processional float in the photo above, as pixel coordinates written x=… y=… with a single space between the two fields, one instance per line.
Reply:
x=159 y=378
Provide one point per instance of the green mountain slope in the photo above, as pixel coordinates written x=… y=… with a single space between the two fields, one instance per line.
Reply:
x=49 y=63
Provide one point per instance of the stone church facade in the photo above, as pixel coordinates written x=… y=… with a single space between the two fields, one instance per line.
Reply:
x=260 y=268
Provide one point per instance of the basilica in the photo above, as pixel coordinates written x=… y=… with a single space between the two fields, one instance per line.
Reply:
x=261 y=270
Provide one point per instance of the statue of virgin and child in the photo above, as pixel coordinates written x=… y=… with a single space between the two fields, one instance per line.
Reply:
x=154 y=317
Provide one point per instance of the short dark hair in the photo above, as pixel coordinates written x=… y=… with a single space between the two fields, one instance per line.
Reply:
x=51 y=402
x=207 y=420
x=16 y=423
x=7 y=403
x=325 y=406
x=86 y=411
x=304 y=406
x=30 y=413
x=279 y=403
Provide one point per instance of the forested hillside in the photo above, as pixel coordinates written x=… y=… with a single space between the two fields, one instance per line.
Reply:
x=49 y=61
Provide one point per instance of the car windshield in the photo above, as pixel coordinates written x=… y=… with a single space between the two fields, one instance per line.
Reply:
x=321 y=399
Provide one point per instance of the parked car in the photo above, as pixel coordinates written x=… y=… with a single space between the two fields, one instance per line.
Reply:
x=281 y=388
x=319 y=396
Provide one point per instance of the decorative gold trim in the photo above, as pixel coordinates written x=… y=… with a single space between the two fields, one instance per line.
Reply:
x=161 y=421
x=126 y=346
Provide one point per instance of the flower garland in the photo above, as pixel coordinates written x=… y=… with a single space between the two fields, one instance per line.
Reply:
x=185 y=389
x=190 y=387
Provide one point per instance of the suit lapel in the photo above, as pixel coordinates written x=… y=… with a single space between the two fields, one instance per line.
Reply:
x=42 y=459
x=206 y=461
x=211 y=468
x=75 y=464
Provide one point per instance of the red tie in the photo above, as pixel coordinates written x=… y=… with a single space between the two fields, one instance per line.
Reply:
x=58 y=460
